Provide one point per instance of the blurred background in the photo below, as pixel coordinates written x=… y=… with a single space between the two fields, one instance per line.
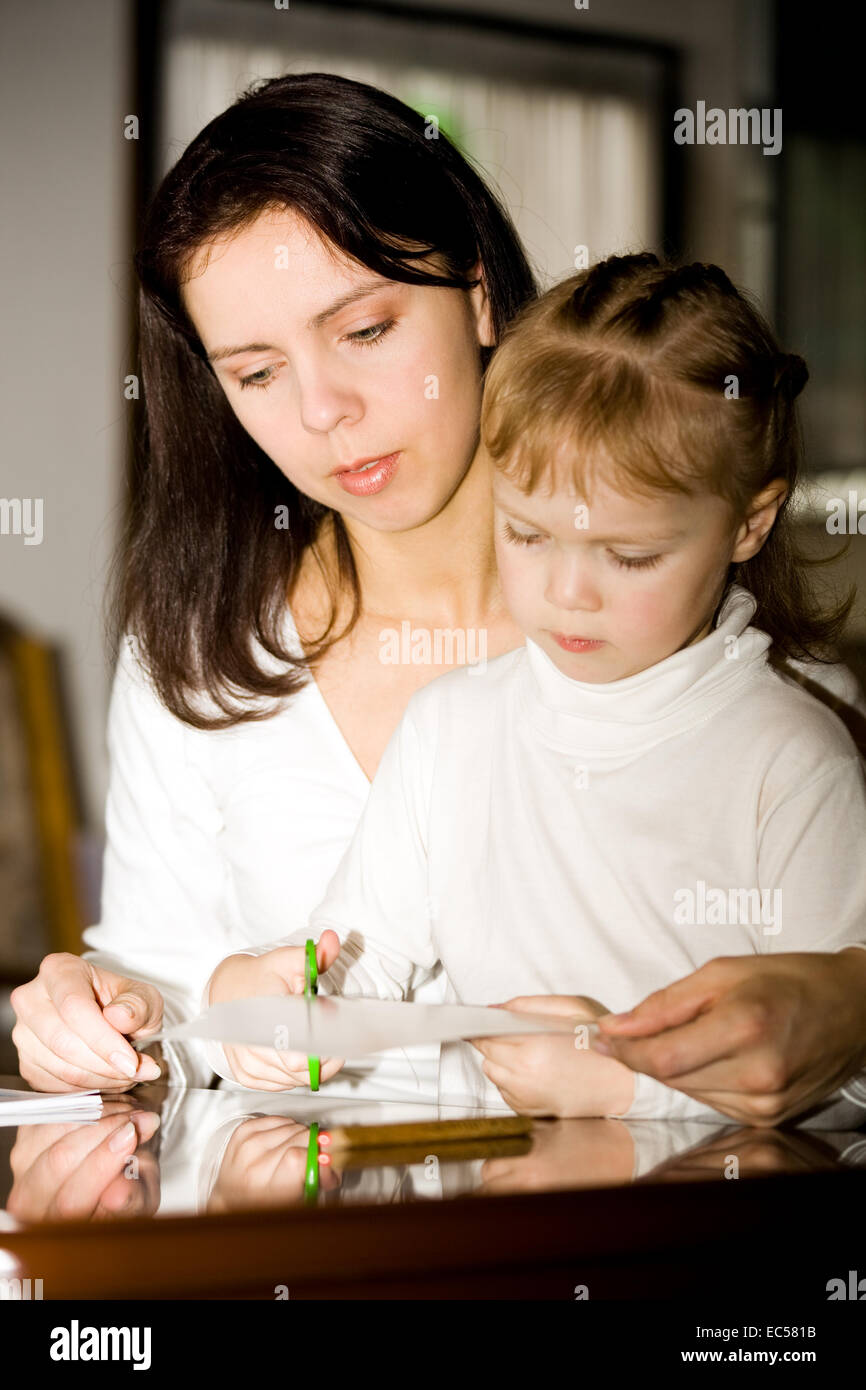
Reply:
x=568 y=111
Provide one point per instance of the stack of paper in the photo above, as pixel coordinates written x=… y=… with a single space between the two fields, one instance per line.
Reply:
x=42 y=1107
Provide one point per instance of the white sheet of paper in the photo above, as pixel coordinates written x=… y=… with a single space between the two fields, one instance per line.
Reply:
x=330 y=1026
x=43 y=1107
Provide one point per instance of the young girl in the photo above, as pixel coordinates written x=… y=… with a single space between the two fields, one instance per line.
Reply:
x=641 y=786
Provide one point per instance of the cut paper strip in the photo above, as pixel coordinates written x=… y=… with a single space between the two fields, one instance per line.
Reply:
x=331 y=1026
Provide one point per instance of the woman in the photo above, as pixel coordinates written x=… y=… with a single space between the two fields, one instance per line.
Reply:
x=322 y=287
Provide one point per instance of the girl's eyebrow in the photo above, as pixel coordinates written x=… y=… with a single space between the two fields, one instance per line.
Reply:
x=361 y=291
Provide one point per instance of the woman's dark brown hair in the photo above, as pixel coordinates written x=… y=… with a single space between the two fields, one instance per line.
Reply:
x=203 y=570
x=665 y=377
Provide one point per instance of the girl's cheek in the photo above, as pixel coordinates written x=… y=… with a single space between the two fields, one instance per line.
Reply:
x=648 y=612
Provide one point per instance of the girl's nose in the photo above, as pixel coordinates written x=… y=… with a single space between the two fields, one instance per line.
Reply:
x=570 y=585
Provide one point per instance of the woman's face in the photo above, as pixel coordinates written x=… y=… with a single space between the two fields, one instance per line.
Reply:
x=327 y=365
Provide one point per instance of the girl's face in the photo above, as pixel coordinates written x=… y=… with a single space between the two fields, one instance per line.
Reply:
x=327 y=366
x=611 y=588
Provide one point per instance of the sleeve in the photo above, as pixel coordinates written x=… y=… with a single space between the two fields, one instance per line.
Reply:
x=164 y=906
x=653 y=1100
x=377 y=899
x=811 y=860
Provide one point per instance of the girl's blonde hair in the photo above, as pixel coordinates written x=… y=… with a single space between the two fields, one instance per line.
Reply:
x=663 y=377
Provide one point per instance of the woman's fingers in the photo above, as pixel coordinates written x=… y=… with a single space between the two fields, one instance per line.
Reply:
x=669 y=1007
x=60 y=1009
x=81 y=1193
x=135 y=1008
x=48 y=1068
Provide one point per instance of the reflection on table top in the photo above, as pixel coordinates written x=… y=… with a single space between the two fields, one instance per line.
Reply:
x=580 y=1209
x=221 y=1151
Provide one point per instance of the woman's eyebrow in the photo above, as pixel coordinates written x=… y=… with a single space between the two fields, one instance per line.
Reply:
x=360 y=291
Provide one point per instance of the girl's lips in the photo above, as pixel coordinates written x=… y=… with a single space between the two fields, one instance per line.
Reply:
x=576 y=644
x=372 y=478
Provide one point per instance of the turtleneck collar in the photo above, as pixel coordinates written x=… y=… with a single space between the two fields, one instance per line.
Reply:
x=627 y=717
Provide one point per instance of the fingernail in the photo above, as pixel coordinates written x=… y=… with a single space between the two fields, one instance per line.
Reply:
x=124 y=1063
x=146 y=1123
x=618 y=1018
x=602 y=1047
x=149 y=1070
x=123 y=1004
x=121 y=1139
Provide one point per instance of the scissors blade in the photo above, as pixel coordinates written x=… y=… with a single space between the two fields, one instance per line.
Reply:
x=332 y=1026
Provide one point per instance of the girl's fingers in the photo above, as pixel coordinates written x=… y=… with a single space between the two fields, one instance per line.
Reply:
x=327 y=949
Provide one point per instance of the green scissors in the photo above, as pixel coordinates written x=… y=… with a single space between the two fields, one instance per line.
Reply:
x=311 y=988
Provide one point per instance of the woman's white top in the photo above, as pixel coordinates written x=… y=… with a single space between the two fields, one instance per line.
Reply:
x=540 y=835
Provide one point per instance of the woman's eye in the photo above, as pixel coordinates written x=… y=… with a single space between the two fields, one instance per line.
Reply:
x=374 y=334
x=364 y=336
x=252 y=379
x=632 y=562
x=518 y=538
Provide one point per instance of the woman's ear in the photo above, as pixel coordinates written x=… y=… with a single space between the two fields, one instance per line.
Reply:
x=480 y=305
x=759 y=519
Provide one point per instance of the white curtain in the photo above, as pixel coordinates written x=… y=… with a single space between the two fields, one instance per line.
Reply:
x=573 y=169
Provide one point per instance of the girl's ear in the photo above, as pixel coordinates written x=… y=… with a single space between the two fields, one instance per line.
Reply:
x=481 y=308
x=759 y=519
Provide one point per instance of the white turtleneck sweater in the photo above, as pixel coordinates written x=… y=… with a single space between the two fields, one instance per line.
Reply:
x=540 y=835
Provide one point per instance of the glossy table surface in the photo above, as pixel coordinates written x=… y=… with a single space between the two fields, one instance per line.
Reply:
x=213 y=1171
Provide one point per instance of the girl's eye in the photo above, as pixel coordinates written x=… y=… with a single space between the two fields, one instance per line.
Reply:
x=517 y=538
x=363 y=337
x=630 y=562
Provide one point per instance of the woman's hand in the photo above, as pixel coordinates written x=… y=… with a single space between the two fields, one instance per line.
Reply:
x=280 y=971
x=554 y=1073
x=76 y=1172
x=73 y=1020
x=760 y=1038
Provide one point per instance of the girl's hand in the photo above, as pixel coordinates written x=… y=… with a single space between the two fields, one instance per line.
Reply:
x=280 y=971
x=554 y=1074
x=760 y=1038
x=73 y=1022
x=265 y=1164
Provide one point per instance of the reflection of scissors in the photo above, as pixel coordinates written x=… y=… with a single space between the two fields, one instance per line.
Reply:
x=311 y=1176
x=311 y=988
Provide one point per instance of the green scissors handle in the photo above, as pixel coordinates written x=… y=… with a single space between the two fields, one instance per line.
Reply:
x=311 y=1177
x=311 y=988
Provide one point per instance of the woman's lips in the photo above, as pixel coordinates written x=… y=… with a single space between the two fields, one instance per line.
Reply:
x=372 y=477
x=576 y=644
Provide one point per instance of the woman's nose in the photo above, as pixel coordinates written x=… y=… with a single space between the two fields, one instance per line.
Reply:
x=326 y=399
